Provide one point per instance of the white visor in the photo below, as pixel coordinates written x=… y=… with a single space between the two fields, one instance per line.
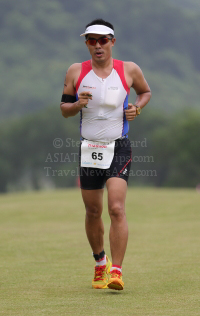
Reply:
x=98 y=29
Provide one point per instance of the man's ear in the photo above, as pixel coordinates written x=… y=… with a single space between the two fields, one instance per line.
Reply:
x=113 y=41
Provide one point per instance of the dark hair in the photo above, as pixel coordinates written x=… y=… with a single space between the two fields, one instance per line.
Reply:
x=100 y=22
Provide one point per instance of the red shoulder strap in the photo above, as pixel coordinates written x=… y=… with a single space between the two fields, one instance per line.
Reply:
x=118 y=65
x=85 y=68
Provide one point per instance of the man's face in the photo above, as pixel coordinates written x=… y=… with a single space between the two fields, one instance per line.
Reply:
x=100 y=52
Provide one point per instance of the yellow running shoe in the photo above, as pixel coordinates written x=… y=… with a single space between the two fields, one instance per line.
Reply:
x=101 y=274
x=115 y=282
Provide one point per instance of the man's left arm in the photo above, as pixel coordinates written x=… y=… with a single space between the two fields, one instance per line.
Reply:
x=142 y=89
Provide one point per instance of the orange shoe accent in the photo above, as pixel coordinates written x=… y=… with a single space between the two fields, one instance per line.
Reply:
x=115 y=282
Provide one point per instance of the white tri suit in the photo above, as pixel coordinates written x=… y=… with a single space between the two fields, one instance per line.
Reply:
x=103 y=124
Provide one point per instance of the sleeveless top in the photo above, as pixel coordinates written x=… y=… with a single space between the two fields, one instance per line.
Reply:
x=104 y=118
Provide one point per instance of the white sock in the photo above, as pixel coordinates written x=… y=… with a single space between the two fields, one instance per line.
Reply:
x=114 y=267
x=101 y=262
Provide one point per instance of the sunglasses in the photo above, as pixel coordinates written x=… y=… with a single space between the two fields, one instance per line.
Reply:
x=102 y=40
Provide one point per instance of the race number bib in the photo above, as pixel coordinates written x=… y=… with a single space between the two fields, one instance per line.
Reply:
x=97 y=154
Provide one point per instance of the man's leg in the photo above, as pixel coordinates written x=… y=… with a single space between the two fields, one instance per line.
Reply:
x=93 y=200
x=119 y=228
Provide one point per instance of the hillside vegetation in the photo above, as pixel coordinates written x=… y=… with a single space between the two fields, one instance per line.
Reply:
x=40 y=39
x=165 y=150
x=189 y=4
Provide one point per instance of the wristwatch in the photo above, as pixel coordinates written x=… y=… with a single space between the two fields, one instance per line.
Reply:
x=138 y=109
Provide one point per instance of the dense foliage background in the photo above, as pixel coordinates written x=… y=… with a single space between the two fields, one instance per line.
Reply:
x=39 y=41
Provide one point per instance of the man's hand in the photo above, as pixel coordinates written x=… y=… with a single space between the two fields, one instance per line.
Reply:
x=131 y=113
x=83 y=99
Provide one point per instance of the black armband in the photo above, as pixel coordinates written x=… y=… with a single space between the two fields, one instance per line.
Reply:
x=66 y=98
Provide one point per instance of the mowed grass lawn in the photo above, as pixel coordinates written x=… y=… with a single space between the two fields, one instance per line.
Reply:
x=47 y=267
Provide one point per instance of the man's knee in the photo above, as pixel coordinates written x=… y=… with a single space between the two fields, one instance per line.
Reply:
x=93 y=211
x=116 y=211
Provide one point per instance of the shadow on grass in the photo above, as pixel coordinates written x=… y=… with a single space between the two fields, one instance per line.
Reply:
x=113 y=293
x=109 y=292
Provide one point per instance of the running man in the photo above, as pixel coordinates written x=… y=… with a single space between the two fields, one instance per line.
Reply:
x=98 y=89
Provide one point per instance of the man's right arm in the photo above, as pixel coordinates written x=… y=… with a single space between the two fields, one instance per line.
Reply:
x=67 y=106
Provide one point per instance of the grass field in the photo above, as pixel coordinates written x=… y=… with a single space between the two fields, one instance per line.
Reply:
x=42 y=241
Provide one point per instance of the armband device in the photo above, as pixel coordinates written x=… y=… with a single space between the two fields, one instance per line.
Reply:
x=67 y=98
